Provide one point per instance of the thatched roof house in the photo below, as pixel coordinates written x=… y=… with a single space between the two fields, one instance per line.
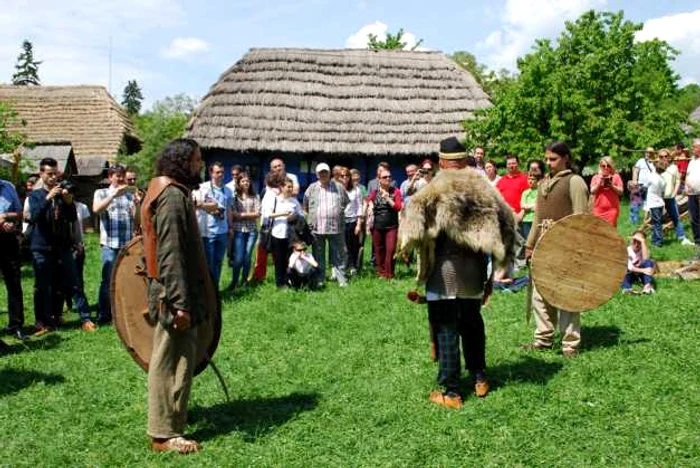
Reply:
x=340 y=105
x=85 y=116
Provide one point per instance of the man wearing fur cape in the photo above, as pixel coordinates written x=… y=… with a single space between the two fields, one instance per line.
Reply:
x=456 y=223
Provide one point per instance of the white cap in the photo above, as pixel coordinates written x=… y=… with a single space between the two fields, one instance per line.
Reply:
x=322 y=167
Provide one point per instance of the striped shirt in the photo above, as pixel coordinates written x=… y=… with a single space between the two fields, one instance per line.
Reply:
x=117 y=220
x=246 y=205
x=326 y=207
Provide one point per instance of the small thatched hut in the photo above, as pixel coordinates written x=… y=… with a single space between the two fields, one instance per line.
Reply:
x=349 y=107
x=86 y=118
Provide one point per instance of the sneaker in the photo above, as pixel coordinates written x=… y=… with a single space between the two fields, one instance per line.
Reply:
x=447 y=400
x=686 y=241
x=627 y=291
x=88 y=327
x=648 y=289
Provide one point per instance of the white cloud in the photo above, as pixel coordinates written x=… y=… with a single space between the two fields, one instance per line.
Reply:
x=185 y=47
x=360 y=38
x=683 y=33
x=75 y=39
x=527 y=20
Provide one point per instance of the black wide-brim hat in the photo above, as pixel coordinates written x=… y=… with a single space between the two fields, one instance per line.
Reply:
x=451 y=148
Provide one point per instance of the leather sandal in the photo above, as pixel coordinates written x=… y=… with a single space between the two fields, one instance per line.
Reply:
x=448 y=401
x=175 y=444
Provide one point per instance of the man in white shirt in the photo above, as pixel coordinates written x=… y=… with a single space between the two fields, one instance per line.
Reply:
x=642 y=171
x=236 y=174
x=277 y=165
x=692 y=189
x=655 y=205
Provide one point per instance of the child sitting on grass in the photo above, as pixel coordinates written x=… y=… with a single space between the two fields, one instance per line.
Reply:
x=640 y=267
x=302 y=267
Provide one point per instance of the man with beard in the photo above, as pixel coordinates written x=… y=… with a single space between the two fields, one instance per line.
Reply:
x=174 y=261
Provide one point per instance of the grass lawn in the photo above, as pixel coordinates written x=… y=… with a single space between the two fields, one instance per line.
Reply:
x=341 y=378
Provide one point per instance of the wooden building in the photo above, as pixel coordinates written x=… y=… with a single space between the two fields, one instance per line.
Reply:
x=350 y=107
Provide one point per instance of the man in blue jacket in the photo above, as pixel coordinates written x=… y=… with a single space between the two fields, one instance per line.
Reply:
x=52 y=213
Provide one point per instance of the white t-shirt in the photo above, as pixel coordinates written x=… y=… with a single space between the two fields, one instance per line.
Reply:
x=232 y=185
x=634 y=259
x=692 y=177
x=646 y=169
x=302 y=262
x=655 y=192
x=284 y=205
x=670 y=176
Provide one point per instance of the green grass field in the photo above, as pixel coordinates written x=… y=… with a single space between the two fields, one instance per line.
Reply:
x=341 y=378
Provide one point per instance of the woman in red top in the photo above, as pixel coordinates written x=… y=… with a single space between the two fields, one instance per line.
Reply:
x=607 y=188
x=385 y=203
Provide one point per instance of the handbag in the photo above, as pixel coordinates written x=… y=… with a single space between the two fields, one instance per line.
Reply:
x=266 y=231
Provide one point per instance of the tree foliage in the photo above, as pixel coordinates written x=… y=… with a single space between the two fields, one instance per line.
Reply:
x=132 y=98
x=157 y=127
x=490 y=81
x=11 y=140
x=27 y=68
x=391 y=42
x=595 y=88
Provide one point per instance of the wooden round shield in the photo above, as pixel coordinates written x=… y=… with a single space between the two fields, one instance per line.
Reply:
x=579 y=263
x=129 y=294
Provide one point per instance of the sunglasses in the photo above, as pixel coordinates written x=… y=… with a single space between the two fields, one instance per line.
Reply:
x=131 y=179
x=385 y=177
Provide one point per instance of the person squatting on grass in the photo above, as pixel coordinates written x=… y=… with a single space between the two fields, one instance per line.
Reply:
x=454 y=245
x=176 y=265
x=563 y=193
x=640 y=266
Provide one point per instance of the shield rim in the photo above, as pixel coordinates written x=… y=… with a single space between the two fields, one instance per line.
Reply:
x=533 y=261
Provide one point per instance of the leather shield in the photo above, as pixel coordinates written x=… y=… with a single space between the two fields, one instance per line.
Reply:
x=129 y=294
x=579 y=263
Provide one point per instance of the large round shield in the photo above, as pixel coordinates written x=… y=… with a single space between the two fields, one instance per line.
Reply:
x=129 y=294
x=579 y=263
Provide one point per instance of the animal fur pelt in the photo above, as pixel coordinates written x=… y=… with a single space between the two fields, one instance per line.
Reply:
x=463 y=205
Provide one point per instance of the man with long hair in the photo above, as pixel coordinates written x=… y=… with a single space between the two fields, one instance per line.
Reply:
x=174 y=259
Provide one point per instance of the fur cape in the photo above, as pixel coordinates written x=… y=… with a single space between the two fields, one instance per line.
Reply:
x=462 y=204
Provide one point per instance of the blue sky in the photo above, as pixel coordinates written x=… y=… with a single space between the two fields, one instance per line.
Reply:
x=174 y=46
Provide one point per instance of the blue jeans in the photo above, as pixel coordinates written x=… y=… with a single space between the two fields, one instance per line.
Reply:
x=657 y=237
x=694 y=211
x=632 y=277
x=53 y=272
x=215 y=249
x=109 y=256
x=243 y=245
x=672 y=210
x=635 y=206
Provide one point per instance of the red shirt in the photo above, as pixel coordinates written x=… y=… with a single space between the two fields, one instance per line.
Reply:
x=512 y=188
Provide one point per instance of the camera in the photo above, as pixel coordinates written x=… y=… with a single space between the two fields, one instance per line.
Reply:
x=220 y=212
x=66 y=185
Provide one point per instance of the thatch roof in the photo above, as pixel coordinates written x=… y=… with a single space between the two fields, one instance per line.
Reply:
x=86 y=116
x=62 y=152
x=91 y=165
x=695 y=116
x=337 y=101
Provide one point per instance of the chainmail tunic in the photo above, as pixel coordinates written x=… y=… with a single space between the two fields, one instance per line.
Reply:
x=458 y=272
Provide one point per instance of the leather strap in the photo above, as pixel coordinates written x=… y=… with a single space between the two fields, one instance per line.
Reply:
x=150 y=240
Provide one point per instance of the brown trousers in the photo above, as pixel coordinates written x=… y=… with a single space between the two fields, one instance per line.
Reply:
x=170 y=376
x=546 y=319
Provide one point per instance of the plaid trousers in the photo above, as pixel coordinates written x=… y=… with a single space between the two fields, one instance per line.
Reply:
x=451 y=319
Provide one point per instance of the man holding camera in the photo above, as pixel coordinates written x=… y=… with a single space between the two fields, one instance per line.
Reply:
x=115 y=206
x=413 y=183
x=52 y=213
x=213 y=201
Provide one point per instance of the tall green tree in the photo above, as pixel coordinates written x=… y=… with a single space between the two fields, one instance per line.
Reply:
x=391 y=42
x=157 y=127
x=132 y=98
x=595 y=88
x=27 y=68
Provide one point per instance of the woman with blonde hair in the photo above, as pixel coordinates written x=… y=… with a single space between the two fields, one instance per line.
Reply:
x=607 y=188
